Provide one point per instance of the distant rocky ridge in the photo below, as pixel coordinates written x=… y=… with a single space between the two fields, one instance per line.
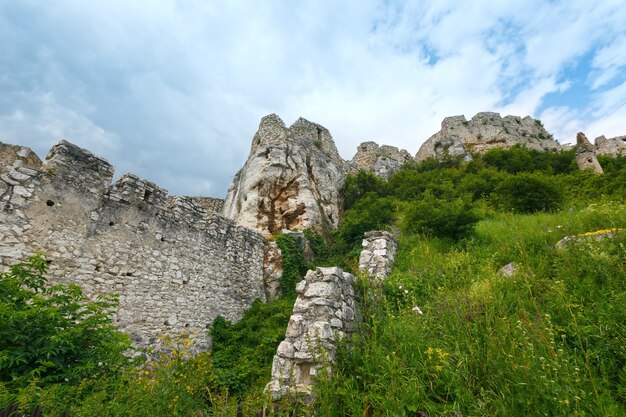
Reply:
x=611 y=147
x=459 y=137
x=383 y=161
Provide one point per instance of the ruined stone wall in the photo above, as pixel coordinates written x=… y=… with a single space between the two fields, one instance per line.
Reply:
x=378 y=254
x=324 y=312
x=175 y=265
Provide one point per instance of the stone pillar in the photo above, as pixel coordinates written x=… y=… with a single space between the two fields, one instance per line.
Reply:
x=586 y=155
x=323 y=313
x=378 y=254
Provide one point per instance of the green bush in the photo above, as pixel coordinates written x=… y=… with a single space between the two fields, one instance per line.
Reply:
x=294 y=265
x=358 y=186
x=438 y=217
x=53 y=334
x=243 y=352
x=370 y=213
x=529 y=193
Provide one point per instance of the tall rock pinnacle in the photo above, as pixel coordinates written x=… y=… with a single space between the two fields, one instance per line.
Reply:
x=291 y=179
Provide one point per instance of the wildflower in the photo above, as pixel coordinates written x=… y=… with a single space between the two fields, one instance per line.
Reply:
x=400 y=286
x=406 y=291
x=417 y=310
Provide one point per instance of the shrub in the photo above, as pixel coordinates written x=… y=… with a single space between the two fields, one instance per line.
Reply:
x=439 y=217
x=243 y=352
x=358 y=186
x=294 y=265
x=53 y=333
x=370 y=213
x=529 y=193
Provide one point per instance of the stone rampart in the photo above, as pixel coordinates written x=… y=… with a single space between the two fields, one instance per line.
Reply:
x=175 y=265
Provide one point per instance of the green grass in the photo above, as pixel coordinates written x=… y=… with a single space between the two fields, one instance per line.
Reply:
x=548 y=341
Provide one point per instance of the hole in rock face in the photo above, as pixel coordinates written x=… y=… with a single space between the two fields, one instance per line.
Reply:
x=49 y=203
x=111 y=223
x=146 y=195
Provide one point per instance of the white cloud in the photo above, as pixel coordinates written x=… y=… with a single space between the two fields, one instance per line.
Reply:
x=176 y=89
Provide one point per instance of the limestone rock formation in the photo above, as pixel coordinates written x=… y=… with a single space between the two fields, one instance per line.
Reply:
x=378 y=254
x=459 y=137
x=383 y=160
x=611 y=147
x=291 y=179
x=586 y=155
x=324 y=312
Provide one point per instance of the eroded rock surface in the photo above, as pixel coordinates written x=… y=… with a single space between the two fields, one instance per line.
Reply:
x=378 y=254
x=323 y=313
x=291 y=179
x=611 y=147
x=383 y=160
x=459 y=137
x=586 y=155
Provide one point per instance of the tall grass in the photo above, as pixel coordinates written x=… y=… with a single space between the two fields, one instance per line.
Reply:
x=548 y=341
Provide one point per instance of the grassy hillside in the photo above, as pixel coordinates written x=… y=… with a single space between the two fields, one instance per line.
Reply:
x=446 y=335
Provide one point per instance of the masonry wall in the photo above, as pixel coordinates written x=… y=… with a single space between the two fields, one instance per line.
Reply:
x=175 y=265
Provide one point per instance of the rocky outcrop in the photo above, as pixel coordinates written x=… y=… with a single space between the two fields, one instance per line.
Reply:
x=324 y=312
x=459 y=137
x=175 y=265
x=291 y=179
x=383 y=160
x=586 y=155
x=611 y=147
x=378 y=254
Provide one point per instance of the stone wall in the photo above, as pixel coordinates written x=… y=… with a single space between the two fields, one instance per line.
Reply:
x=175 y=265
x=324 y=312
x=378 y=254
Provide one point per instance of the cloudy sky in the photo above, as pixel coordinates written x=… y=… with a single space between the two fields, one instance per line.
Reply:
x=174 y=90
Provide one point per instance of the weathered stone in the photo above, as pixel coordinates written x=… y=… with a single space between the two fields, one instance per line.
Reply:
x=509 y=269
x=586 y=155
x=378 y=254
x=459 y=137
x=312 y=332
x=383 y=161
x=291 y=179
x=272 y=271
x=611 y=147
x=175 y=265
x=591 y=236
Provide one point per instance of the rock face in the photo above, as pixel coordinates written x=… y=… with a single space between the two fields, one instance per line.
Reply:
x=324 y=312
x=175 y=265
x=485 y=131
x=291 y=179
x=611 y=147
x=378 y=254
x=586 y=155
x=383 y=160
